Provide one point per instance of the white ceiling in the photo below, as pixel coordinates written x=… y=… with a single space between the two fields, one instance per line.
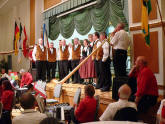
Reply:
x=6 y=5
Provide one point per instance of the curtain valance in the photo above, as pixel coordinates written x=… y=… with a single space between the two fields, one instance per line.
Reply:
x=99 y=16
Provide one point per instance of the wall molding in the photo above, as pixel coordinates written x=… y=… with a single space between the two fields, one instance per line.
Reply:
x=153 y=25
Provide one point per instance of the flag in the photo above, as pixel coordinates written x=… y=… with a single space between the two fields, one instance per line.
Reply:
x=45 y=38
x=25 y=49
x=146 y=9
x=20 y=43
x=16 y=38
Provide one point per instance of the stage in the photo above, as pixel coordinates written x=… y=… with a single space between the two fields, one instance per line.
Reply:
x=68 y=91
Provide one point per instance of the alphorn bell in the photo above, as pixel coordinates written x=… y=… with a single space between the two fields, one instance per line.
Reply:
x=75 y=69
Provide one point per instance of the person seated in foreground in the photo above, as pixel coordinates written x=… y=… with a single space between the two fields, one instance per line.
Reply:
x=85 y=111
x=124 y=93
x=161 y=112
x=1 y=80
x=7 y=101
x=26 y=78
x=49 y=120
x=29 y=116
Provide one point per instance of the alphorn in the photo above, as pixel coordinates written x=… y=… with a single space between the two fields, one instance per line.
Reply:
x=75 y=69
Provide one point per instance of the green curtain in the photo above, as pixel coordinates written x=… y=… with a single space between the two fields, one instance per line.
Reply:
x=54 y=29
x=98 y=16
x=82 y=21
x=67 y=26
x=116 y=13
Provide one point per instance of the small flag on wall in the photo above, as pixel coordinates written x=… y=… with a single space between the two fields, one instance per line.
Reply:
x=146 y=9
x=45 y=37
x=16 y=38
x=25 y=49
x=20 y=44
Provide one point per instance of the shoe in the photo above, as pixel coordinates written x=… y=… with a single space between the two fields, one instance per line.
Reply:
x=97 y=87
x=104 y=90
x=94 y=84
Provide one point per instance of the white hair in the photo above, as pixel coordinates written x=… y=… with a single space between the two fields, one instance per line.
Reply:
x=22 y=71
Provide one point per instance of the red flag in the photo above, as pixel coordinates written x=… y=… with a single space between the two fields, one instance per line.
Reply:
x=25 y=49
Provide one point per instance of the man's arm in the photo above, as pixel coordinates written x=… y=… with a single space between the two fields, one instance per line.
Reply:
x=115 y=39
x=105 y=51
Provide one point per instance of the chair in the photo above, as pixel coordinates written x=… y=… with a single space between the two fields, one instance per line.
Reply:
x=126 y=114
x=64 y=109
x=77 y=96
x=1 y=107
x=97 y=107
x=40 y=101
x=57 y=94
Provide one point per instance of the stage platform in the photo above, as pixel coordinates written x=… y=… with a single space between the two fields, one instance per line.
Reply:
x=68 y=91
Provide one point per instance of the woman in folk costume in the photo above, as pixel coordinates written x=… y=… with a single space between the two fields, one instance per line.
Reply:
x=84 y=68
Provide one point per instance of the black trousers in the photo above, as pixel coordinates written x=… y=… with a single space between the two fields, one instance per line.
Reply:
x=146 y=102
x=119 y=62
x=6 y=117
x=63 y=69
x=51 y=69
x=41 y=70
x=76 y=78
x=59 y=70
x=96 y=68
x=104 y=79
x=70 y=68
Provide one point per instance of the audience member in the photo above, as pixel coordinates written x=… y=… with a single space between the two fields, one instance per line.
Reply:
x=7 y=101
x=29 y=116
x=161 y=112
x=1 y=80
x=49 y=120
x=26 y=78
x=124 y=93
x=85 y=111
x=147 y=89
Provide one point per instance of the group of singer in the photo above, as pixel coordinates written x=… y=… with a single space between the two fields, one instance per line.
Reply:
x=96 y=69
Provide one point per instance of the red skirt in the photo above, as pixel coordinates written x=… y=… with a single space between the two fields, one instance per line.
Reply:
x=91 y=68
x=83 y=70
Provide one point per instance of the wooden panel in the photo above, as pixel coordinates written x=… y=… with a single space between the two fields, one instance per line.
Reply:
x=50 y=3
x=151 y=53
x=136 y=11
x=32 y=22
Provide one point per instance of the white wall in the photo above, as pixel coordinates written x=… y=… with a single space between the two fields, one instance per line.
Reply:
x=7 y=21
x=39 y=8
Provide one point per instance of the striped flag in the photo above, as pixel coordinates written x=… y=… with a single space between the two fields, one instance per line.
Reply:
x=20 y=44
x=16 y=38
x=45 y=37
x=146 y=9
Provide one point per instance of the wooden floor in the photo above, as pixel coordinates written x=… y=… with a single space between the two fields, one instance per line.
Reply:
x=68 y=91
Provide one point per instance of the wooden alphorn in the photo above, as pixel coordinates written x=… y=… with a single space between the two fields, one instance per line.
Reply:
x=75 y=69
